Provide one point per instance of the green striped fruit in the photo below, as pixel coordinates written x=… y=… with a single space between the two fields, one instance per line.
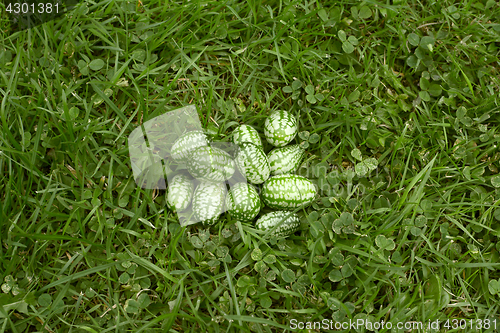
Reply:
x=243 y=202
x=180 y=192
x=287 y=223
x=208 y=201
x=186 y=143
x=210 y=164
x=246 y=133
x=280 y=128
x=252 y=163
x=285 y=159
x=288 y=191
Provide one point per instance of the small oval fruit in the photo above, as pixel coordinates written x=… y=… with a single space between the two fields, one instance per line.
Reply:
x=243 y=202
x=285 y=159
x=252 y=163
x=287 y=223
x=210 y=164
x=186 y=143
x=180 y=192
x=246 y=133
x=208 y=202
x=287 y=191
x=280 y=128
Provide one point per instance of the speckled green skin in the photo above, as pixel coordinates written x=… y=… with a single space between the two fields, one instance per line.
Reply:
x=290 y=224
x=243 y=202
x=186 y=143
x=287 y=191
x=180 y=192
x=208 y=202
x=280 y=128
x=210 y=164
x=252 y=163
x=246 y=133
x=285 y=159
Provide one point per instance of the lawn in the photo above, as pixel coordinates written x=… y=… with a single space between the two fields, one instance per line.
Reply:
x=397 y=104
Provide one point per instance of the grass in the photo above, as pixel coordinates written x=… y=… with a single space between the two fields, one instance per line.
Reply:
x=397 y=106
